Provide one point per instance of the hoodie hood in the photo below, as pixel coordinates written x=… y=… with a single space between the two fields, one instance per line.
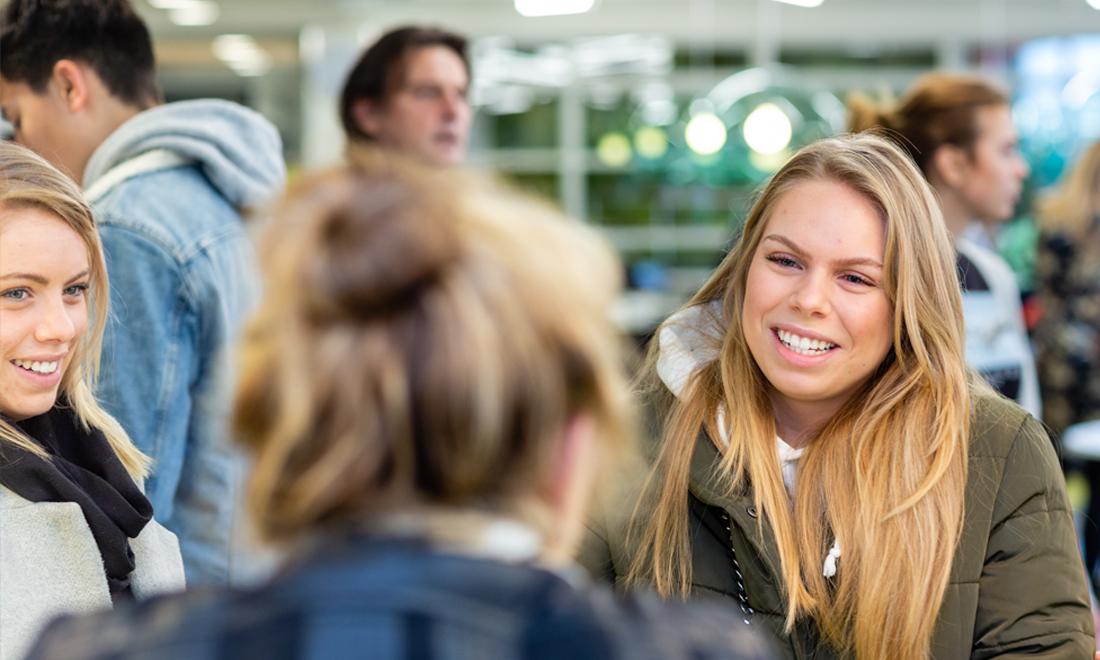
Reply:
x=239 y=151
x=692 y=338
x=688 y=340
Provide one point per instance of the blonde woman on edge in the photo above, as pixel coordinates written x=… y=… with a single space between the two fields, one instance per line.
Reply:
x=76 y=532
x=828 y=463
x=428 y=390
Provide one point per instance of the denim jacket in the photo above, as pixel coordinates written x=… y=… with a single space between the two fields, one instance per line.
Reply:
x=398 y=599
x=167 y=189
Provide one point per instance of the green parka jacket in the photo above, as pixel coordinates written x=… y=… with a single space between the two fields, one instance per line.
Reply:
x=1017 y=585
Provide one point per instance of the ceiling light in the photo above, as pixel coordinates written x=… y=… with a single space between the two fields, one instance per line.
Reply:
x=242 y=54
x=808 y=3
x=767 y=129
x=199 y=12
x=613 y=150
x=533 y=8
x=171 y=4
x=651 y=142
x=1095 y=4
x=705 y=133
x=232 y=47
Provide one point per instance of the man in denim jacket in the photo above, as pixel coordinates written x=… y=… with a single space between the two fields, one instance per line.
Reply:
x=168 y=183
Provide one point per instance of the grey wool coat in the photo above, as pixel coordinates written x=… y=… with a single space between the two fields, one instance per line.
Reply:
x=1017 y=586
x=50 y=565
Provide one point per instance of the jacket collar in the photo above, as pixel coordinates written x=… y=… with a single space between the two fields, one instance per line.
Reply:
x=707 y=484
x=688 y=340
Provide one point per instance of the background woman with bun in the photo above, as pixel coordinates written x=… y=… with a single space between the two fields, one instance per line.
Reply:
x=76 y=532
x=958 y=130
x=428 y=390
x=827 y=461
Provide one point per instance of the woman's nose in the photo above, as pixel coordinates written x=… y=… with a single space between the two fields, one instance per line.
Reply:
x=811 y=295
x=55 y=324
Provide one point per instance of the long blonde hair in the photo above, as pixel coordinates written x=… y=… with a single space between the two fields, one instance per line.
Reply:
x=885 y=477
x=28 y=181
x=426 y=339
x=1072 y=208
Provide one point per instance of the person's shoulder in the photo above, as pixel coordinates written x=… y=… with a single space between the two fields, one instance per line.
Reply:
x=1001 y=429
x=994 y=269
x=174 y=205
x=177 y=626
x=594 y=622
x=995 y=423
x=9 y=499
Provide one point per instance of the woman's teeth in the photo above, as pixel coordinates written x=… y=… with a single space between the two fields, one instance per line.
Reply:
x=804 y=345
x=37 y=367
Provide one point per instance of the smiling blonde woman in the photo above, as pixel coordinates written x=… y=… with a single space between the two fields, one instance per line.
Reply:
x=828 y=462
x=76 y=531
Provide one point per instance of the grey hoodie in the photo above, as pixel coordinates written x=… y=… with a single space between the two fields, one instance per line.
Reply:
x=239 y=151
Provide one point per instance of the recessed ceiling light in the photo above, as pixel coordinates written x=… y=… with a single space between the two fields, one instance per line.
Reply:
x=242 y=54
x=803 y=3
x=533 y=8
x=767 y=129
x=705 y=134
x=197 y=12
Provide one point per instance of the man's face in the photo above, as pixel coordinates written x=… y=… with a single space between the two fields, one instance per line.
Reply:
x=43 y=124
x=428 y=115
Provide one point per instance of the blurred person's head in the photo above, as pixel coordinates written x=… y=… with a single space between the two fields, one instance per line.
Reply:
x=959 y=131
x=1073 y=208
x=428 y=341
x=408 y=92
x=53 y=301
x=71 y=72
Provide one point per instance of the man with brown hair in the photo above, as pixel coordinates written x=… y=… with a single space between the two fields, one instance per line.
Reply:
x=168 y=183
x=408 y=92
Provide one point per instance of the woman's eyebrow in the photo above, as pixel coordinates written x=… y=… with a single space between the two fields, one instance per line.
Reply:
x=25 y=276
x=857 y=261
x=79 y=276
x=779 y=238
x=840 y=263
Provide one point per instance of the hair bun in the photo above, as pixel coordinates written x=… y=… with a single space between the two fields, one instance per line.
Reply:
x=865 y=114
x=377 y=250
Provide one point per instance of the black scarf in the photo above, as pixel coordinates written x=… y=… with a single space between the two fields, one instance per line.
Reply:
x=83 y=468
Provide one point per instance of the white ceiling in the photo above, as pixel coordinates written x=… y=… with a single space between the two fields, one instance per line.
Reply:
x=859 y=24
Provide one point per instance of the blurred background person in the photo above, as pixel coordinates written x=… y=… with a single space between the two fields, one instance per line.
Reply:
x=429 y=390
x=410 y=92
x=1067 y=336
x=959 y=131
x=168 y=183
x=76 y=532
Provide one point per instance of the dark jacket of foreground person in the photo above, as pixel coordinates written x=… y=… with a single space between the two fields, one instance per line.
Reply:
x=363 y=597
x=1017 y=587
